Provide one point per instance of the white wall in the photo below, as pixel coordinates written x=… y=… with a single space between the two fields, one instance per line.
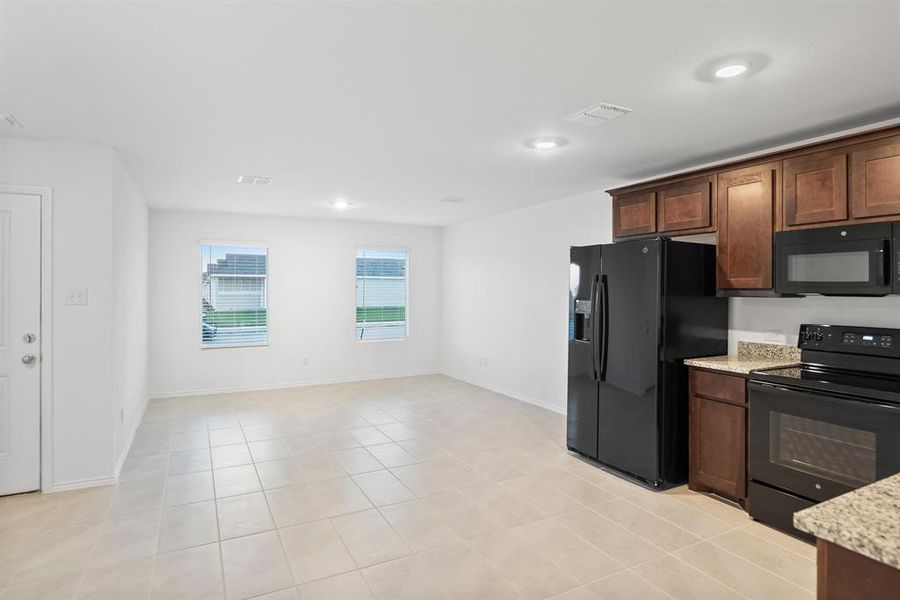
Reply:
x=81 y=178
x=776 y=320
x=130 y=311
x=505 y=281
x=505 y=295
x=311 y=303
x=99 y=353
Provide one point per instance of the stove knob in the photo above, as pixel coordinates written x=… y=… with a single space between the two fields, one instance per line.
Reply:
x=817 y=336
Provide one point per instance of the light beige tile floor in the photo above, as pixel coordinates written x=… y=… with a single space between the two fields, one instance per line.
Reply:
x=421 y=487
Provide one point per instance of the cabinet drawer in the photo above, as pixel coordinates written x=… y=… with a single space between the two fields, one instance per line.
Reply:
x=716 y=386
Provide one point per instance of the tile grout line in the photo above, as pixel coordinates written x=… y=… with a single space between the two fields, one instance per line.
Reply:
x=760 y=566
x=216 y=506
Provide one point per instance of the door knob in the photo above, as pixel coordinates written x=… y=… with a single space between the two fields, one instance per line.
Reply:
x=29 y=338
x=29 y=359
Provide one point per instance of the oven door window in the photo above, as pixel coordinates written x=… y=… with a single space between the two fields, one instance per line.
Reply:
x=824 y=450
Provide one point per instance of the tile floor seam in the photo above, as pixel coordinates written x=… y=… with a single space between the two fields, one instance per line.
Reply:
x=636 y=574
x=710 y=575
x=84 y=571
x=662 y=518
x=759 y=537
x=639 y=536
x=756 y=564
x=693 y=510
x=218 y=531
x=694 y=568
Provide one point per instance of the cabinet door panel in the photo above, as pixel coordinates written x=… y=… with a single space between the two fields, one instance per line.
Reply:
x=687 y=205
x=634 y=214
x=746 y=200
x=875 y=179
x=815 y=188
x=718 y=447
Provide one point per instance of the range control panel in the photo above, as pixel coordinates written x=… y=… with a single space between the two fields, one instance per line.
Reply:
x=850 y=339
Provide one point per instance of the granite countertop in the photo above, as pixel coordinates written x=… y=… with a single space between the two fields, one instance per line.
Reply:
x=751 y=356
x=866 y=521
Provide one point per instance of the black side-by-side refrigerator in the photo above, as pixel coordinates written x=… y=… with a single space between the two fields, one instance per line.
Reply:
x=636 y=310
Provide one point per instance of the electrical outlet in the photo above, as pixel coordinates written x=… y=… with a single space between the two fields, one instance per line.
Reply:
x=76 y=295
x=305 y=361
x=122 y=416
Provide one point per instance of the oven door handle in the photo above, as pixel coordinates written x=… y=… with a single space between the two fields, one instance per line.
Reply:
x=766 y=386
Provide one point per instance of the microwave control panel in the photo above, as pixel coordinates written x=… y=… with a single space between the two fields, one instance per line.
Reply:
x=857 y=340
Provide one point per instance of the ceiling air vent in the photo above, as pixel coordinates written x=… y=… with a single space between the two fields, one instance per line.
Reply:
x=598 y=114
x=254 y=180
x=10 y=120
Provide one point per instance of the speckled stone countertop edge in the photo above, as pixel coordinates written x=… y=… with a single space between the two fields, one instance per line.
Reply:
x=865 y=521
x=751 y=356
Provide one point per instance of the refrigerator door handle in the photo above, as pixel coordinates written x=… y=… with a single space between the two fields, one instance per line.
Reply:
x=604 y=286
x=595 y=317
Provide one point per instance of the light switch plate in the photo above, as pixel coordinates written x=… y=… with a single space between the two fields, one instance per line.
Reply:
x=76 y=295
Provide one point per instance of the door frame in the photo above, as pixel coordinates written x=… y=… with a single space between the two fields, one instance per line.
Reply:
x=45 y=196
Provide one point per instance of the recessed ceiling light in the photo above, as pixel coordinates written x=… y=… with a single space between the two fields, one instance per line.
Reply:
x=453 y=199
x=725 y=67
x=545 y=143
x=729 y=71
x=255 y=179
x=340 y=204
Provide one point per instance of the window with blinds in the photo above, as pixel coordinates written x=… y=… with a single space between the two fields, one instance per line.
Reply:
x=382 y=294
x=234 y=298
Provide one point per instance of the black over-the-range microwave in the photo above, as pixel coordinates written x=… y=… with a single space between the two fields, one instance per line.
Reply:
x=852 y=260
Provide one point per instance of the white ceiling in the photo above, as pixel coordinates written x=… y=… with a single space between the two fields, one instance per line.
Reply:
x=395 y=105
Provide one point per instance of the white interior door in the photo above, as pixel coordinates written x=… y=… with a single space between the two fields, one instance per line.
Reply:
x=20 y=358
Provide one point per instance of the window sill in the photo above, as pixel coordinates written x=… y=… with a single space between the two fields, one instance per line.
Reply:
x=403 y=339
x=220 y=346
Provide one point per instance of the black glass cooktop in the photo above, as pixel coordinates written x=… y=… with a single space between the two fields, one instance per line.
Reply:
x=863 y=385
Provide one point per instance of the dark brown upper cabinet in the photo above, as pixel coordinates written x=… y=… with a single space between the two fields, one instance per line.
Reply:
x=746 y=201
x=687 y=206
x=634 y=214
x=875 y=179
x=815 y=189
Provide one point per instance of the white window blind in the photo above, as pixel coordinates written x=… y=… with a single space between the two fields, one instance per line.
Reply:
x=234 y=298
x=382 y=294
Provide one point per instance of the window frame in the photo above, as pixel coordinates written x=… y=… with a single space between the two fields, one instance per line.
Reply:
x=238 y=244
x=384 y=248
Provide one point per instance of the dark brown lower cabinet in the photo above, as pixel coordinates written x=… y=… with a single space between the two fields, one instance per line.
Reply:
x=718 y=434
x=846 y=575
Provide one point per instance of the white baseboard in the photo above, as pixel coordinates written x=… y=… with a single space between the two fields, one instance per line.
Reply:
x=79 y=484
x=506 y=392
x=290 y=384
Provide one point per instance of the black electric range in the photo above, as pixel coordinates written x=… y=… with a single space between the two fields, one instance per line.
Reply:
x=826 y=427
